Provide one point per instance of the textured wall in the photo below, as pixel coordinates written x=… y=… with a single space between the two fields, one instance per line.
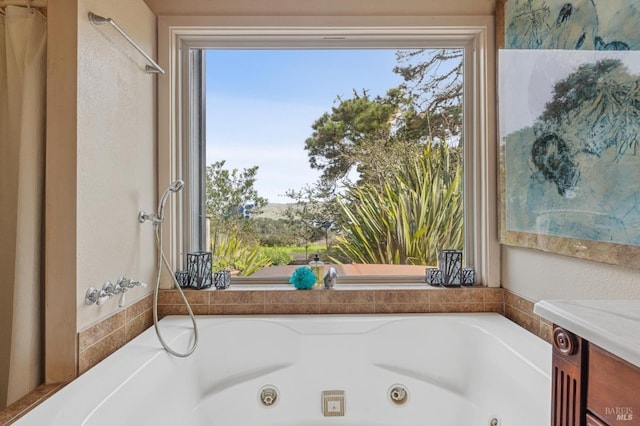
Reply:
x=537 y=275
x=116 y=152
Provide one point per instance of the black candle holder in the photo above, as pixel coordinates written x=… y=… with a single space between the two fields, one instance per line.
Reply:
x=199 y=268
x=434 y=276
x=468 y=276
x=451 y=266
x=222 y=279
x=183 y=279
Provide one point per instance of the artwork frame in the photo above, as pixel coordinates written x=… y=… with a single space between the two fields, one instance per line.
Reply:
x=600 y=248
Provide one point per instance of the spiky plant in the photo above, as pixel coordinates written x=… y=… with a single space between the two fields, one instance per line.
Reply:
x=411 y=216
x=232 y=253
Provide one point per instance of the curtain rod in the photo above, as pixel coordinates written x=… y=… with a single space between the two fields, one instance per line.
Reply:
x=99 y=20
x=30 y=3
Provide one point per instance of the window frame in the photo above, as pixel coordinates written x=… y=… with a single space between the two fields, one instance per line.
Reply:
x=177 y=36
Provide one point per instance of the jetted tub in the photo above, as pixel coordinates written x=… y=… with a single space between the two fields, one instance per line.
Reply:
x=432 y=369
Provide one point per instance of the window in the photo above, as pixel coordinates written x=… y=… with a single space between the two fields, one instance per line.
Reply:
x=187 y=141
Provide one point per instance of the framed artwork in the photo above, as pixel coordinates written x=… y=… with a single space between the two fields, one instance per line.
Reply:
x=569 y=125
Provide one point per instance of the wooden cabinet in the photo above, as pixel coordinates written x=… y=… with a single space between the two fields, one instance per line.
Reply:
x=592 y=387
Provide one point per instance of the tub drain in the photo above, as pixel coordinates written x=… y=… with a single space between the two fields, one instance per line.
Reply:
x=398 y=394
x=268 y=395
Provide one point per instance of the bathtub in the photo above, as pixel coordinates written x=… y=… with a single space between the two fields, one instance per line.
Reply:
x=431 y=369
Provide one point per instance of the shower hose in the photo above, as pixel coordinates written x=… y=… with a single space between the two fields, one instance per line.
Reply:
x=162 y=259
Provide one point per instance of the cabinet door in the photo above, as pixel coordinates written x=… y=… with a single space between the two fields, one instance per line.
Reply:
x=614 y=388
x=594 y=421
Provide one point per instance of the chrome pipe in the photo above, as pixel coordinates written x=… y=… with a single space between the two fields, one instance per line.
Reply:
x=100 y=20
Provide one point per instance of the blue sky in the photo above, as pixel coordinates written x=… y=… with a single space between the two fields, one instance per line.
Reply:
x=261 y=104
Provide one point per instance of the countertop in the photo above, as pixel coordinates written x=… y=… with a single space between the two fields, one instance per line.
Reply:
x=613 y=325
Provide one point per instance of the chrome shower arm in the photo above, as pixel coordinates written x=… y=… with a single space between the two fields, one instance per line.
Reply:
x=99 y=20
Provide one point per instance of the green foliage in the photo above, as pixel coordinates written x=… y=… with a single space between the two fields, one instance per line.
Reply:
x=312 y=205
x=412 y=217
x=277 y=255
x=226 y=192
x=232 y=253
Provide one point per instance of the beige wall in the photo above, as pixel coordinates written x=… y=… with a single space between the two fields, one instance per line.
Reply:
x=537 y=275
x=100 y=167
x=116 y=152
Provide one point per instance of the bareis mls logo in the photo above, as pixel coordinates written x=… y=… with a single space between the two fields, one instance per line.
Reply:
x=621 y=413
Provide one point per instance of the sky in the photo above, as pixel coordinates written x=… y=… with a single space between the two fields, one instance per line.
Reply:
x=260 y=105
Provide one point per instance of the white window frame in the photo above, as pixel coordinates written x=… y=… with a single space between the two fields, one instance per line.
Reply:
x=177 y=35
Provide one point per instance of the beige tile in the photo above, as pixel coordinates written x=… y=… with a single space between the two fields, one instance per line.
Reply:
x=457 y=295
x=347 y=296
x=139 y=307
x=245 y=309
x=456 y=307
x=99 y=331
x=28 y=402
x=138 y=324
x=101 y=349
x=546 y=332
x=384 y=297
x=283 y=308
x=518 y=302
x=240 y=297
x=280 y=297
x=526 y=321
x=164 y=310
x=401 y=308
x=493 y=295
x=494 y=307
x=347 y=308
x=172 y=297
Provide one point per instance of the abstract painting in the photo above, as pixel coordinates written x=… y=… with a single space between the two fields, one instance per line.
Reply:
x=572 y=25
x=570 y=150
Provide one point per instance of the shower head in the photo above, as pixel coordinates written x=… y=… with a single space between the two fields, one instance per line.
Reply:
x=158 y=217
x=176 y=186
x=98 y=20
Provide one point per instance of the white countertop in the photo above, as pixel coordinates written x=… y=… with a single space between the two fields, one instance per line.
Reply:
x=613 y=325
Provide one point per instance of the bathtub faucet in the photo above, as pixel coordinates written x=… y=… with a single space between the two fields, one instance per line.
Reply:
x=330 y=278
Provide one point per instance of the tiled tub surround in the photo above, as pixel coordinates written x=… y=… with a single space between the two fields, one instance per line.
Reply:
x=102 y=339
x=520 y=311
x=459 y=369
x=347 y=299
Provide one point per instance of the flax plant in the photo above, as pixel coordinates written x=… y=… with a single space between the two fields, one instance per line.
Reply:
x=410 y=216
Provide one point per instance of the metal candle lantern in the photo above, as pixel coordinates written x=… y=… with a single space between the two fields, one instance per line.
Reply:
x=222 y=279
x=468 y=276
x=451 y=267
x=199 y=267
x=183 y=279
x=434 y=276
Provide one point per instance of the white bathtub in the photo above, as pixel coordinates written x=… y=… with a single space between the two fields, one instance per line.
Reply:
x=458 y=369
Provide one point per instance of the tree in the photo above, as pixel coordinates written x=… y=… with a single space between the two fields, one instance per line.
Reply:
x=228 y=193
x=312 y=205
x=433 y=81
x=377 y=136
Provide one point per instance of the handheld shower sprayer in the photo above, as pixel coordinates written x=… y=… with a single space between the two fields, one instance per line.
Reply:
x=158 y=217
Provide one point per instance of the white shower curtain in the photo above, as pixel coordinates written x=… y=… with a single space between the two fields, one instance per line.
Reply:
x=22 y=148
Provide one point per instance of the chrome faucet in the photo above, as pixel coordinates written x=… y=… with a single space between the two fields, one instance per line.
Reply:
x=330 y=278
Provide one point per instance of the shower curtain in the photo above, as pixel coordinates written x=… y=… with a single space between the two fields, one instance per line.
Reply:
x=22 y=147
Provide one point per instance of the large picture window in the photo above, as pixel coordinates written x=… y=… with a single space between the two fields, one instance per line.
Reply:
x=361 y=148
